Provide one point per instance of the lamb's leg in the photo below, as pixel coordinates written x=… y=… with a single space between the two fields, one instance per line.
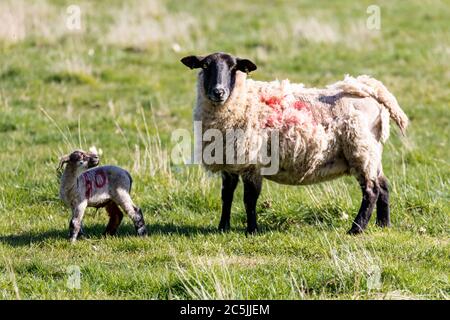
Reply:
x=252 y=189
x=383 y=211
x=115 y=218
x=229 y=183
x=76 y=221
x=134 y=213
x=81 y=233
x=370 y=191
x=139 y=224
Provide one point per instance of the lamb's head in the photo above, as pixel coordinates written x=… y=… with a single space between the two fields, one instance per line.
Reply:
x=80 y=160
x=218 y=73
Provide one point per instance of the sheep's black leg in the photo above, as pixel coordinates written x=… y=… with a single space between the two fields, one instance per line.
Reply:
x=383 y=211
x=115 y=218
x=370 y=195
x=252 y=189
x=229 y=183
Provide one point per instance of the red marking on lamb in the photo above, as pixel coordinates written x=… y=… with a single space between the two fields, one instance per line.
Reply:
x=97 y=179
x=88 y=185
x=99 y=183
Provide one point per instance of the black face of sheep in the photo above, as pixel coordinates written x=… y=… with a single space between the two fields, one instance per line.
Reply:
x=219 y=73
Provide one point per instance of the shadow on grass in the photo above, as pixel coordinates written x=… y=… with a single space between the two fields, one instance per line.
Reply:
x=269 y=221
x=95 y=232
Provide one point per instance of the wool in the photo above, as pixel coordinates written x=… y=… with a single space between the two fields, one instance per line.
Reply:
x=323 y=133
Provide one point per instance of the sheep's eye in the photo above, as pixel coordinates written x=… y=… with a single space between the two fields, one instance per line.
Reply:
x=205 y=66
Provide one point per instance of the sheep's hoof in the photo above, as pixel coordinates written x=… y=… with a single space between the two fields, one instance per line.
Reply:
x=73 y=240
x=109 y=233
x=251 y=231
x=354 y=231
x=224 y=227
x=383 y=223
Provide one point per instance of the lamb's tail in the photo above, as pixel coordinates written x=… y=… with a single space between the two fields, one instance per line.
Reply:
x=131 y=180
x=366 y=86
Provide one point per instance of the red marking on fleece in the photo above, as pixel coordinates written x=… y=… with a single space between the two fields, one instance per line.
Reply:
x=271 y=101
x=296 y=113
x=300 y=105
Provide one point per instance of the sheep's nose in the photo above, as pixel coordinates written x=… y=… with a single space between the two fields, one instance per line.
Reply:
x=219 y=92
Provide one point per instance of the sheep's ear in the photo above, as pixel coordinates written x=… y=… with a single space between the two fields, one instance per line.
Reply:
x=192 y=62
x=245 y=65
x=63 y=160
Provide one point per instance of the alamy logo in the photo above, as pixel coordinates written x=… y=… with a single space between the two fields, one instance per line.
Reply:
x=73 y=277
x=374 y=277
x=374 y=20
x=73 y=20
x=234 y=147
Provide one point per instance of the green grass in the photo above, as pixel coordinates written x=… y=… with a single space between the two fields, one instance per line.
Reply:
x=126 y=95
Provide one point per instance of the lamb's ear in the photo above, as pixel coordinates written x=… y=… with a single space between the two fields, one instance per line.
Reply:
x=192 y=62
x=245 y=65
x=63 y=160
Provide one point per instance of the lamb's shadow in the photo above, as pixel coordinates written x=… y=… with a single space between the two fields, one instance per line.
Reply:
x=28 y=238
x=95 y=232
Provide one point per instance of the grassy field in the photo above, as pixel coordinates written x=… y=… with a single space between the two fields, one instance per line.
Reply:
x=117 y=84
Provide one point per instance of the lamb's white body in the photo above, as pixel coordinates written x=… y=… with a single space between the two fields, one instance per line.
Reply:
x=105 y=186
x=96 y=186
x=323 y=133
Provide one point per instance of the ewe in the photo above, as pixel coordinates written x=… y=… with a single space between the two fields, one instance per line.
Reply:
x=105 y=186
x=323 y=133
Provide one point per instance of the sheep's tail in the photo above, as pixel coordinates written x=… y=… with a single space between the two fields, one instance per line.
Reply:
x=367 y=86
x=383 y=96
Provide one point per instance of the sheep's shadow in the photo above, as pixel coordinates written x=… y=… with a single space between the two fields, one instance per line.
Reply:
x=95 y=231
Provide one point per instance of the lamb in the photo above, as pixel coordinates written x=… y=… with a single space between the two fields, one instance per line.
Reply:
x=104 y=186
x=323 y=133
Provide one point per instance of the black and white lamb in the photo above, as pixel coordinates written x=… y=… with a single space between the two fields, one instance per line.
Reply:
x=83 y=185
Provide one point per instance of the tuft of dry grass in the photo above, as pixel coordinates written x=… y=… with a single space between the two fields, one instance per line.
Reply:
x=206 y=282
x=136 y=25
x=148 y=22
x=153 y=158
x=72 y=64
x=316 y=30
x=20 y=19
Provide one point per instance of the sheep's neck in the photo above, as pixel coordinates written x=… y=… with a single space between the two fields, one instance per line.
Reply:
x=232 y=114
x=69 y=183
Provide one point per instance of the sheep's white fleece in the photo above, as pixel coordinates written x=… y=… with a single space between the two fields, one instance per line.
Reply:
x=324 y=133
